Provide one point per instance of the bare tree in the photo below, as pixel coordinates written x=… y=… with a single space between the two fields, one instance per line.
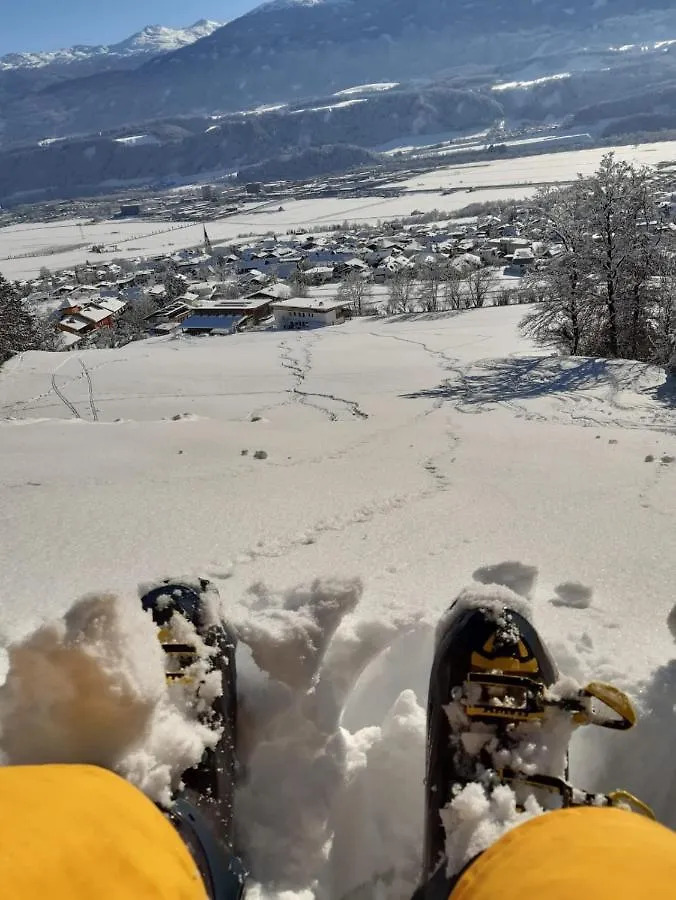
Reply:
x=401 y=293
x=431 y=276
x=355 y=291
x=479 y=284
x=298 y=283
x=451 y=289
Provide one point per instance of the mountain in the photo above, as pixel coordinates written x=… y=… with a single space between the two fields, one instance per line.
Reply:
x=150 y=41
x=291 y=49
x=310 y=138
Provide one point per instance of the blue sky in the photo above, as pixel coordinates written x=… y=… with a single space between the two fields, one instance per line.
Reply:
x=51 y=24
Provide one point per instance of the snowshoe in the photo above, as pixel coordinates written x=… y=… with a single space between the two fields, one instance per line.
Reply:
x=181 y=611
x=496 y=715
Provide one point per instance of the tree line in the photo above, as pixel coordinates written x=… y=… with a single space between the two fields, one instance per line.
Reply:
x=19 y=329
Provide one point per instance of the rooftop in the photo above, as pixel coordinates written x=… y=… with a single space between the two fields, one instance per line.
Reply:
x=94 y=313
x=310 y=303
x=211 y=323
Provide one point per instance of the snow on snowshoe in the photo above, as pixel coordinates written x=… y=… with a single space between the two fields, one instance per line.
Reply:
x=498 y=714
x=200 y=664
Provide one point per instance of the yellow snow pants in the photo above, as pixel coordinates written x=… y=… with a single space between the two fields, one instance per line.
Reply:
x=583 y=853
x=81 y=833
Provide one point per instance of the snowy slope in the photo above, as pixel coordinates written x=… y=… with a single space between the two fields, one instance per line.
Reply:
x=151 y=40
x=406 y=454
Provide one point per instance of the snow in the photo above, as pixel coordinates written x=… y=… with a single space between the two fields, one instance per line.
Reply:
x=367 y=88
x=133 y=140
x=151 y=39
x=331 y=106
x=60 y=245
x=474 y=821
x=405 y=457
x=513 y=85
x=91 y=688
x=547 y=168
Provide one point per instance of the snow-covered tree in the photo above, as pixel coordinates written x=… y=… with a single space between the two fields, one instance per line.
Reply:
x=17 y=326
x=606 y=292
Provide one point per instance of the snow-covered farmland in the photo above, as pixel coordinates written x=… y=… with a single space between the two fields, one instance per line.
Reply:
x=405 y=452
x=545 y=168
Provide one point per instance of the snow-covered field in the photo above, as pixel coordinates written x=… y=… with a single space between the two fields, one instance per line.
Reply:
x=64 y=244
x=401 y=456
x=544 y=168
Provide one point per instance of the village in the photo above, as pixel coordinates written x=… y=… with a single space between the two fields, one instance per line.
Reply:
x=422 y=263
x=291 y=282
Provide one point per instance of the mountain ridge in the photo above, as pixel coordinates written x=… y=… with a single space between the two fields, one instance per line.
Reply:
x=153 y=39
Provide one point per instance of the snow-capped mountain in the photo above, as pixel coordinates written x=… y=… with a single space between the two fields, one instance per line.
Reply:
x=150 y=41
x=292 y=50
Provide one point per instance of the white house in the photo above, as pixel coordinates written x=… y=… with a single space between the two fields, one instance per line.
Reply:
x=306 y=312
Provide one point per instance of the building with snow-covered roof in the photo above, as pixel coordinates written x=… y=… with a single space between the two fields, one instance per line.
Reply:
x=271 y=292
x=97 y=315
x=210 y=324
x=307 y=312
x=74 y=324
x=114 y=304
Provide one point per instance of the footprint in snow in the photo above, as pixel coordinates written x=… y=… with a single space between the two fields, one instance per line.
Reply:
x=517 y=576
x=572 y=594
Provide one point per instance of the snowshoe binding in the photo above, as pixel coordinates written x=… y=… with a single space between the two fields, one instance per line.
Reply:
x=198 y=646
x=497 y=714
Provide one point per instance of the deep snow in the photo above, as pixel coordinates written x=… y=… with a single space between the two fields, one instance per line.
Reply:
x=404 y=456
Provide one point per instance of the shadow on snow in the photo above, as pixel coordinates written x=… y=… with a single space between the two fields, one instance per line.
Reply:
x=500 y=380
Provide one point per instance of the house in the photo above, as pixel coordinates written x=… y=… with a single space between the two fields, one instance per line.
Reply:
x=114 y=304
x=156 y=292
x=210 y=324
x=74 y=325
x=129 y=207
x=523 y=258
x=244 y=311
x=509 y=246
x=307 y=312
x=318 y=275
x=271 y=292
x=98 y=316
x=89 y=318
x=70 y=306
x=83 y=294
x=168 y=317
x=354 y=264
x=202 y=289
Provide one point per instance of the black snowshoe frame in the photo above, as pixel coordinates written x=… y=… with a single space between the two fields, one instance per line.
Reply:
x=210 y=786
x=518 y=698
x=493 y=667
